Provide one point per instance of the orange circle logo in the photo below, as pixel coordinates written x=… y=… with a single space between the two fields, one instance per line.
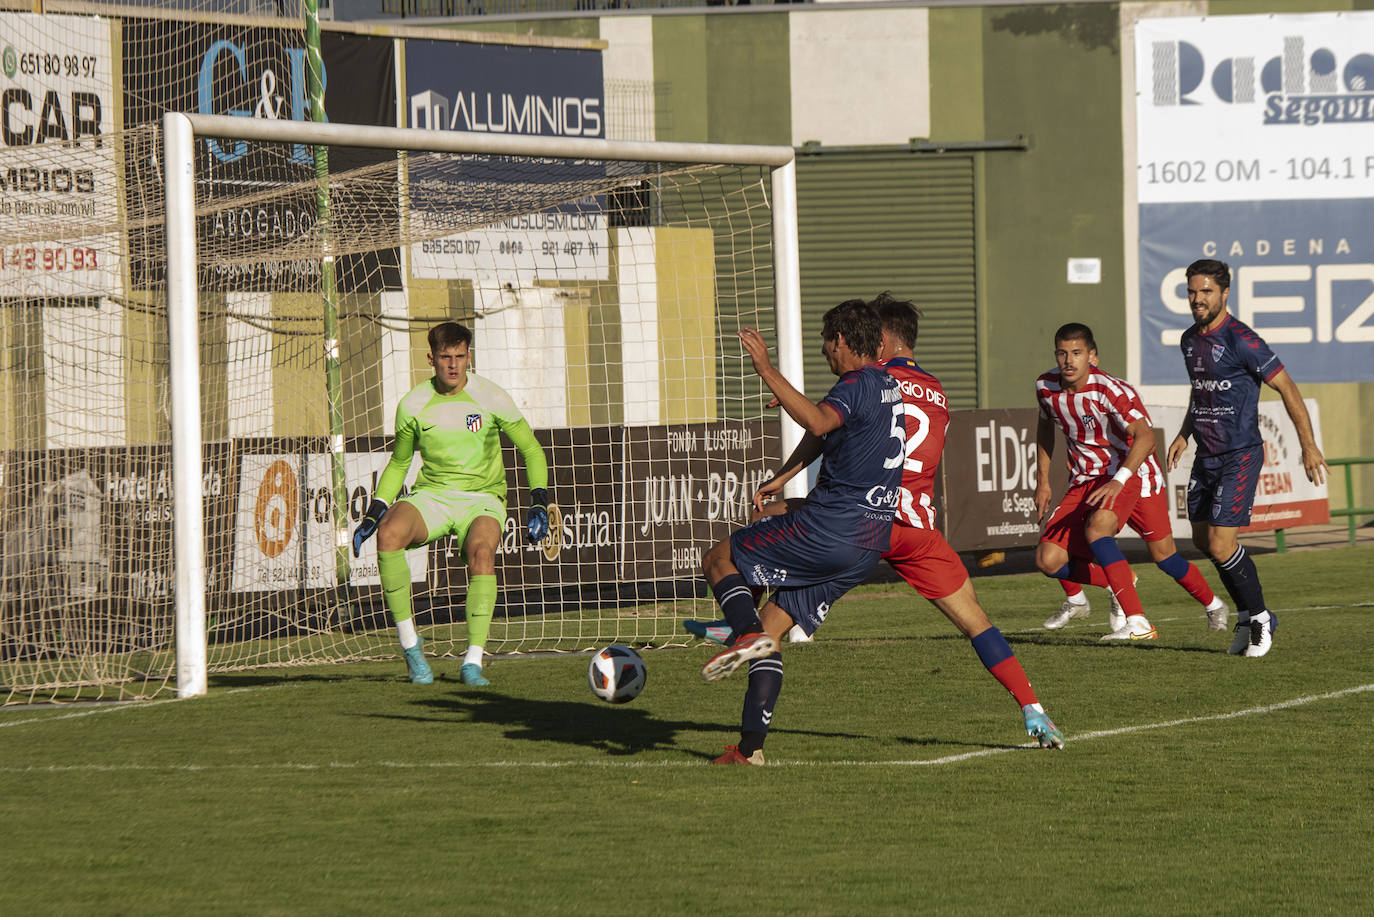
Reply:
x=275 y=514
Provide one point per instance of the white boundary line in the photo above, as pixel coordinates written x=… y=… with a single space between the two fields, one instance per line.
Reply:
x=550 y=765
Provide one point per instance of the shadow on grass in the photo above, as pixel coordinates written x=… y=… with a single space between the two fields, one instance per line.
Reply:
x=615 y=731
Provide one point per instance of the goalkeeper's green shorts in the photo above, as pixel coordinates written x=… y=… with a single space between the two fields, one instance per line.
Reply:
x=452 y=512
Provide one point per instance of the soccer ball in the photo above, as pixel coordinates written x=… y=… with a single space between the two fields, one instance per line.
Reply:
x=616 y=674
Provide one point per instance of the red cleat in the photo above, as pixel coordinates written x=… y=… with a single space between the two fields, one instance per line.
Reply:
x=732 y=756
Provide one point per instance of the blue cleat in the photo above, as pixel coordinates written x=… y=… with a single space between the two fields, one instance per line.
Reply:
x=470 y=673
x=1041 y=728
x=715 y=631
x=420 y=673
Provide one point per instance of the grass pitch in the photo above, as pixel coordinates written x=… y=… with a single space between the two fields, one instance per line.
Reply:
x=1193 y=783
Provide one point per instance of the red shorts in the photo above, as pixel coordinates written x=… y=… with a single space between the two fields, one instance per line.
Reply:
x=1065 y=527
x=924 y=559
x=1150 y=518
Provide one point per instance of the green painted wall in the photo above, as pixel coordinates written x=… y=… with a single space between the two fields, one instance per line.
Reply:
x=723 y=79
x=1051 y=72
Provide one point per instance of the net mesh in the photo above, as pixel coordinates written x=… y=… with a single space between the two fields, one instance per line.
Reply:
x=604 y=296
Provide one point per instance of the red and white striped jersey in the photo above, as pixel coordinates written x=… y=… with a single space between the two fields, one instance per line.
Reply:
x=1094 y=421
x=927 y=421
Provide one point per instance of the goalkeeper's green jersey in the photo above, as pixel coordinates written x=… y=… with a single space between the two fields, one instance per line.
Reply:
x=458 y=436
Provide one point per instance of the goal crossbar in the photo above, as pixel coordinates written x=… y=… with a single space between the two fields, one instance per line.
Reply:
x=180 y=133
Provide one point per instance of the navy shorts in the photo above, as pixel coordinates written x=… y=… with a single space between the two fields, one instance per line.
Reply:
x=807 y=567
x=1221 y=489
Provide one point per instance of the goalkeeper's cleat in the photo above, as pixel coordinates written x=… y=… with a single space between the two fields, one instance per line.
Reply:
x=1041 y=728
x=1261 y=628
x=1116 y=618
x=1067 y=612
x=420 y=673
x=745 y=648
x=470 y=673
x=1216 y=614
x=1137 y=627
x=715 y=631
x=732 y=756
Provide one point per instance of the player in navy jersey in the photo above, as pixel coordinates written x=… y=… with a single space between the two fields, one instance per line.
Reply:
x=1226 y=362
x=829 y=543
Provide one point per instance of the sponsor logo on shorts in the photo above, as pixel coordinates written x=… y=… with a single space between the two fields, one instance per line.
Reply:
x=822 y=610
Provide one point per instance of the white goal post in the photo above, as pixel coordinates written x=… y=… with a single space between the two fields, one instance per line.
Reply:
x=181 y=132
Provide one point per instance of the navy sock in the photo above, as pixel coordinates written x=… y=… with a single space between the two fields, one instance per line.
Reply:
x=765 y=683
x=734 y=598
x=1241 y=579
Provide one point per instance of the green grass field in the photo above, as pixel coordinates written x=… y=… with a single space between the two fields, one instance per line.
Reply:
x=1193 y=783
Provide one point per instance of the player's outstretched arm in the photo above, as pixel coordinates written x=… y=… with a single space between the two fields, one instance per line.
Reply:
x=810 y=415
x=389 y=484
x=537 y=471
x=1180 y=442
x=806 y=452
x=1044 y=453
x=1312 y=461
x=1142 y=445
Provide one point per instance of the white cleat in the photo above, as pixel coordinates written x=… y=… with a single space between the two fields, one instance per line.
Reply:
x=1116 y=618
x=1216 y=615
x=1261 y=630
x=1135 y=628
x=798 y=635
x=1067 y=612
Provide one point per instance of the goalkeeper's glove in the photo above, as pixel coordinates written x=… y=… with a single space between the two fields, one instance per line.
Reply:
x=365 y=530
x=537 y=529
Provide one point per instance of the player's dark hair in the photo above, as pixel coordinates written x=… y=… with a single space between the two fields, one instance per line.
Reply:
x=1075 y=331
x=899 y=316
x=449 y=334
x=1219 y=271
x=858 y=322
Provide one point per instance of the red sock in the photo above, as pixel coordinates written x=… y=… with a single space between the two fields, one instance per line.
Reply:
x=1197 y=586
x=1085 y=571
x=1013 y=678
x=1071 y=589
x=1123 y=587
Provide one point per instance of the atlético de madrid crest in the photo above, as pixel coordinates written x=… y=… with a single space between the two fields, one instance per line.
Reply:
x=474 y=422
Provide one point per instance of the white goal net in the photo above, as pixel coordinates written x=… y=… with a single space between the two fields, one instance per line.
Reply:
x=604 y=292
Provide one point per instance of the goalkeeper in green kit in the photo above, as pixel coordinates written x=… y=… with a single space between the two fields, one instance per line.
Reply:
x=455 y=419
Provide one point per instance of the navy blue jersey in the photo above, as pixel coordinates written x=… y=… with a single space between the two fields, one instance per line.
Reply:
x=1226 y=367
x=859 y=486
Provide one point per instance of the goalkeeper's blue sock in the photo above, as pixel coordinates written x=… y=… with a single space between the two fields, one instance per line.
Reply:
x=1241 y=579
x=737 y=601
x=765 y=683
x=478 y=609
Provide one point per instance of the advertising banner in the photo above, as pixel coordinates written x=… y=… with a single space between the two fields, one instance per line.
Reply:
x=284 y=532
x=1255 y=146
x=97 y=524
x=57 y=170
x=686 y=487
x=254 y=72
x=548 y=92
x=987 y=479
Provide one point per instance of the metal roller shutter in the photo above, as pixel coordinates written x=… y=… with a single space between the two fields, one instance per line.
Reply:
x=884 y=220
